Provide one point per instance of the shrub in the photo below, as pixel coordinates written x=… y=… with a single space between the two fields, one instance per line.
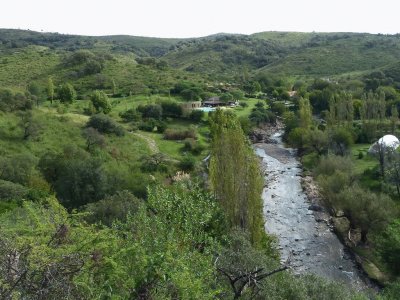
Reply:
x=18 y=168
x=161 y=126
x=341 y=139
x=171 y=109
x=66 y=93
x=12 y=191
x=193 y=146
x=176 y=134
x=331 y=163
x=10 y=101
x=154 y=163
x=76 y=177
x=278 y=108
x=367 y=211
x=147 y=125
x=111 y=208
x=100 y=102
x=105 y=124
x=196 y=115
x=153 y=111
x=130 y=115
x=187 y=163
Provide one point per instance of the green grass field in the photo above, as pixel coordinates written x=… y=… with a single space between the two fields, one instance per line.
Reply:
x=366 y=162
x=245 y=112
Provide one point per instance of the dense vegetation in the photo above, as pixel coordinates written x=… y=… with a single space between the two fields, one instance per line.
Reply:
x=106 y=191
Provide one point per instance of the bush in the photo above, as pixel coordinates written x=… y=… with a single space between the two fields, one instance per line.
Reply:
x=100 y=102
x=77 y=178
x=105 y=124
x=161 y=126
x=147 y=125
x=111 y=208
x=175 y=134
x=10 y=101
x=154 y=163
x=171 y=109
x=366 y=210
x=191 y=145
x=341 y=139
x=153 y=111
x=131 y=115
x=196 y=115
x=187 y=163
x=12 y=191
x=331 y=163
x=18 y=168
x=66 y=93
x=278 y=108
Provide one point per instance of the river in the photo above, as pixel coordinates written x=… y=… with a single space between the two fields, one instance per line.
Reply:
x=301 y=233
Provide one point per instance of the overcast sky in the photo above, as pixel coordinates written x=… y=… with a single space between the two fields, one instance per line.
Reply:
x=194 y=18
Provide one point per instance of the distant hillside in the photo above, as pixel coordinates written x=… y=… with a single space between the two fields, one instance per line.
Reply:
x=225 y=55
x=27 y=56
x=333 y=53
x=141 y=46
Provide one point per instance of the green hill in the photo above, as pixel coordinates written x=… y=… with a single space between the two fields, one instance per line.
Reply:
x=142 y=65
x=334 y=53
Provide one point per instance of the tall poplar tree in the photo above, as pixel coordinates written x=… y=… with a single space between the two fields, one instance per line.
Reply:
x=235 y=174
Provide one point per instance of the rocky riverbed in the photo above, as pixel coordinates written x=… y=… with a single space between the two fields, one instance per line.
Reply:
x=301 y=225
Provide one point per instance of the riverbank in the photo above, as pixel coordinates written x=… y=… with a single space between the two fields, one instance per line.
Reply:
x=295 y=213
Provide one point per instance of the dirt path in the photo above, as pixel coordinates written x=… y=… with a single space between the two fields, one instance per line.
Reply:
x=150 y=142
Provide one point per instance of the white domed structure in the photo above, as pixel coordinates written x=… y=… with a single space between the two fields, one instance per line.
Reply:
x=388 y=142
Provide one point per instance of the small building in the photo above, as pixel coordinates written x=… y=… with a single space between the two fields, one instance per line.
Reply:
x=187 y=107
x=213 y=102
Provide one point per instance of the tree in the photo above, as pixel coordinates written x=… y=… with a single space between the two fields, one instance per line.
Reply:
x=29 y=126
x=196 y=115
x=388 y=244
x=93 y=139
x=154 y=162
x=100 y=102
x=244 y=267
x=77 y=178
x=305 y=113
x=114 y=87
x=392 y=171
x=237 y=94
x=235 y=175
x=10 y=101
x=50 y=89
x=34 y=88
x=67 y=93
x=112 y=208
x=105 y=124
x=153 y=111
x=366 y=210
x=341 y=140
x=318 y=141
x=394 y=119
x=225 y=97
x=131 y=115
x=171 y=109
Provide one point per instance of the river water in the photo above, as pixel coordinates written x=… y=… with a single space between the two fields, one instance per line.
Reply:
x=302 y=235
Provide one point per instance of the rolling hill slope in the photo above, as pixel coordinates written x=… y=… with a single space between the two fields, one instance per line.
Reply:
x=27 y=56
